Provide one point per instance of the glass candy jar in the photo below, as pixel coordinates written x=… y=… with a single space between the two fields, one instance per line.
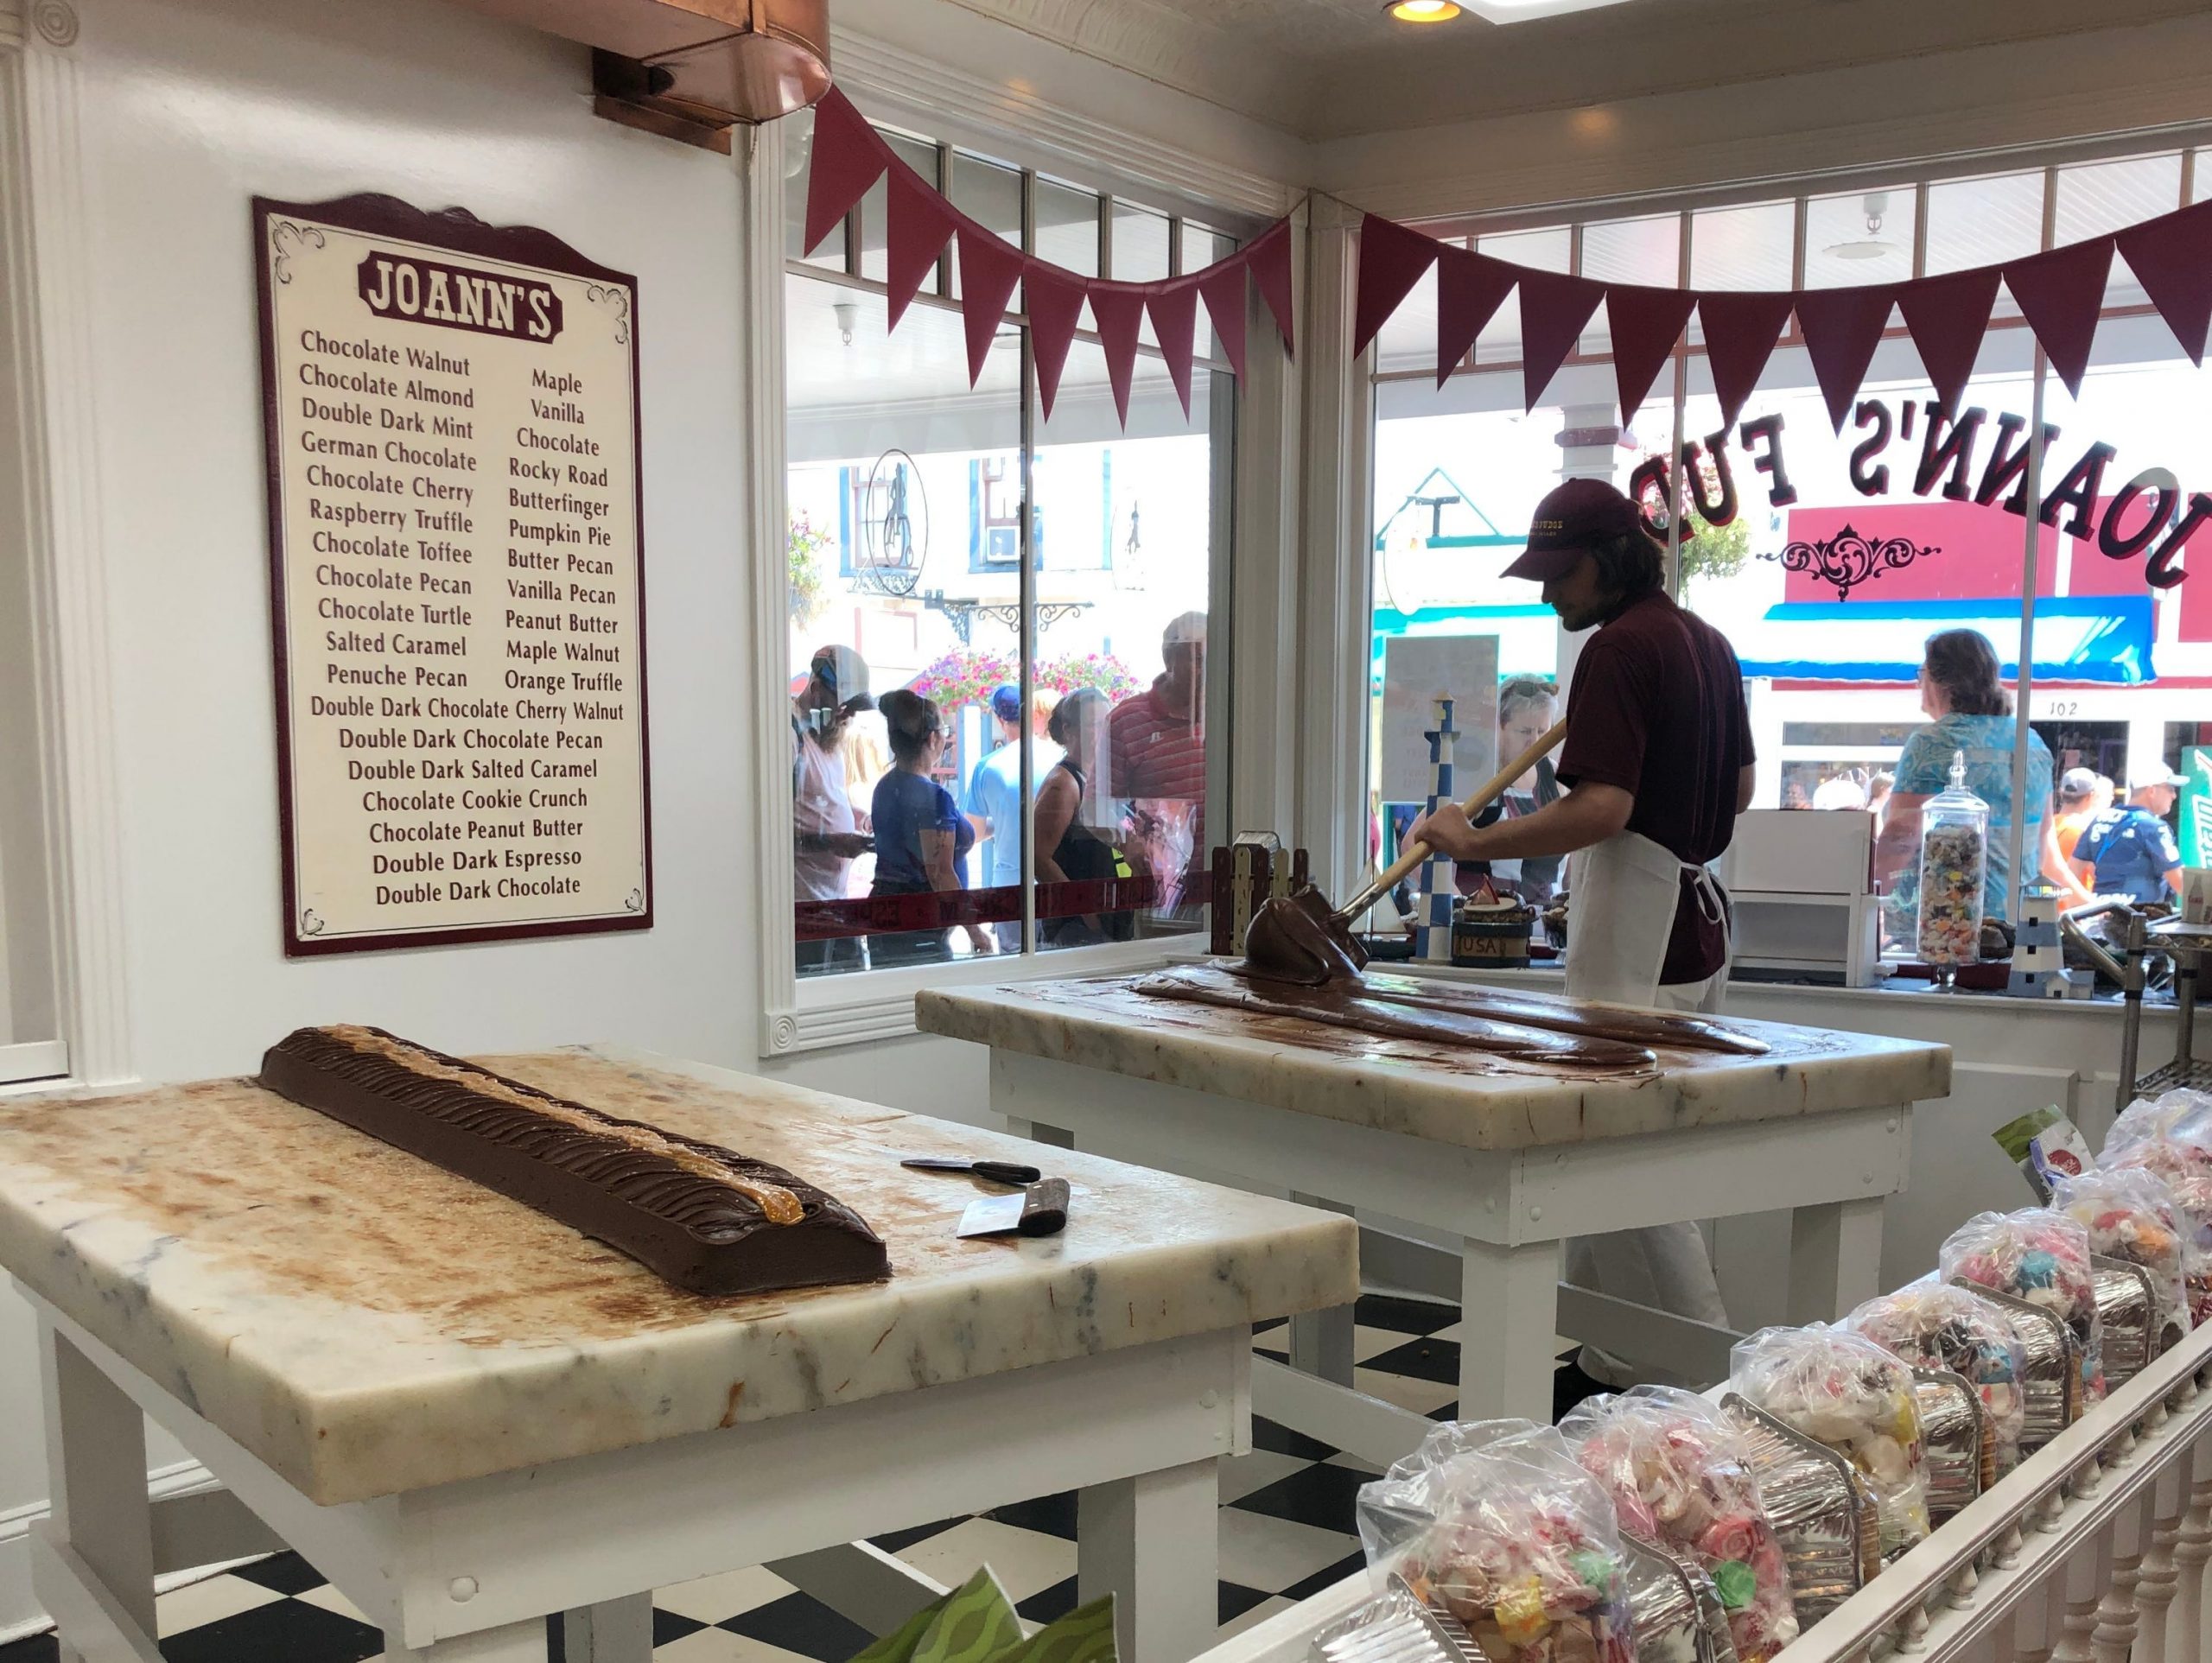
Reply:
x=1954 y=862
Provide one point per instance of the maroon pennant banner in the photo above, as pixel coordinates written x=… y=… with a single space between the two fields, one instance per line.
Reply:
x=1391 y=261
x=848 y=157
x=2172 y=258
x=918 y=223
x=2060 y=294
x=1270 y=258
x=1055 y=299
x=1174 y=309
x=1741 y=328
x=1469 y=287
x=989 y=268
x=1119 y=310
x=1553 y=310
x=1946 y=317
x=1223 y=289
x=1842 y=328
x=1645 y=324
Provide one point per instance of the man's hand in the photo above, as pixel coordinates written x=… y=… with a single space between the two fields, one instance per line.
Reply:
x=1447 y=831
x=851 y=845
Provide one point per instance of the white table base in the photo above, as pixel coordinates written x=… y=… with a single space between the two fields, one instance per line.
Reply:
x=1511 y=1210
x=468 y=1572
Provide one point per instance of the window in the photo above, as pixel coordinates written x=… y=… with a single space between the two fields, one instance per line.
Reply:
x=915 y=503
x=2119 y=668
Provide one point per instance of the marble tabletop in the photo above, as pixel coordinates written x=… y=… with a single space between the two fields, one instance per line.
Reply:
x=1442 y=1094
x=366 y=1324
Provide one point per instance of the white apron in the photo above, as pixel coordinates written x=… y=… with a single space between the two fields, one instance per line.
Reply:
x=1633 y=886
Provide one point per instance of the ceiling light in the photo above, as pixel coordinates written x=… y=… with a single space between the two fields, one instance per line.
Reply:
x=1425 y=11
x=846 y=314
x=1873 y=245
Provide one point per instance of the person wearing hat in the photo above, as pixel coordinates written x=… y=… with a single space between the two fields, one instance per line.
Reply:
x=1658 y=763
x=2129 y=849
x=827 y=833
x=994 y=798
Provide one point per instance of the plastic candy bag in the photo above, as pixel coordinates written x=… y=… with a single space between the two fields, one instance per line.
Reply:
x=1679 y=1474
x=2040 y=1256
x=2131 y=1215
x=1845 y=1391
x=2185 y=1168
x=1497 y=1522
x=2159 y=1117
x=1930 y=1325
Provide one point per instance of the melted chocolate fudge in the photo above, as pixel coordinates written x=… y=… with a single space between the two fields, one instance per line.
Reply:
x=702 y=1217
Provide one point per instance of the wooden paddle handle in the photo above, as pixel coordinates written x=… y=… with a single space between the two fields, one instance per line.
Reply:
x=1418 y=851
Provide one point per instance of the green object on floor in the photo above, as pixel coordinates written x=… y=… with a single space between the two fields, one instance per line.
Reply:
x=977 y=1623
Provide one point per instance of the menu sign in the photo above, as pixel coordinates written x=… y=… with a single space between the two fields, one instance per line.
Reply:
x=457 y=579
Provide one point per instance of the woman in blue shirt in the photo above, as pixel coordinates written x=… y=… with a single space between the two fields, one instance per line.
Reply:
x=1962 y=688
x=922 y=839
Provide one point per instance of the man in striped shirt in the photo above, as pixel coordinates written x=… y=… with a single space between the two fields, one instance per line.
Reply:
x=1156 y=753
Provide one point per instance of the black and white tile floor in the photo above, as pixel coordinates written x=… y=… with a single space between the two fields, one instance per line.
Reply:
x=1286 y=1530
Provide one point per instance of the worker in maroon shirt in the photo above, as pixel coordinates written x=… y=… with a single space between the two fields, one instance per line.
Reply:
x=1658 y=763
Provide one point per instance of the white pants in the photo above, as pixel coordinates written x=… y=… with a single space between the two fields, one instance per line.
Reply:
x=1666 y=1266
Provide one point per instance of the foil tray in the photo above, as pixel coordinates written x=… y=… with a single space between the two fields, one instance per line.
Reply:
x=1820 y=1509
x=1677 y=1611
x=1958 y=1449
x=1398 y=1627
x=2127 y=1304
x=2050 y=1389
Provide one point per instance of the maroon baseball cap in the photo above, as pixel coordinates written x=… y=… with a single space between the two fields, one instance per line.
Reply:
x=1570 y=518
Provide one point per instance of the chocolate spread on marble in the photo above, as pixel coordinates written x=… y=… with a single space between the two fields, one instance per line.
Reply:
x=1352 y=1004
x=1299 y=960
x=702 y=1217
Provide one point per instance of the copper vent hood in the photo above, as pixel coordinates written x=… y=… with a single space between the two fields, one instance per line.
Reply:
x=691 y=69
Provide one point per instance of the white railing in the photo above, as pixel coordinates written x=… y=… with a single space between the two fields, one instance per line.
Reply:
x=2096 y=1550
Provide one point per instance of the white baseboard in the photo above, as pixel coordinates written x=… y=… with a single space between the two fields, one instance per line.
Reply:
x=20 y=1616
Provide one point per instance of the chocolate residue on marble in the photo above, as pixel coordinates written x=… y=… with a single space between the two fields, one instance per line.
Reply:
x=1664 y=1030
x=702 y=1217
x=1352 y=1004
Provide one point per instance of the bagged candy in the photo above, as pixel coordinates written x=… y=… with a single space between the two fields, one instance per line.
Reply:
x=2040 y=1256
x=2159 y=1117
x=1496 y=1522
x=1845 y=1391
x=2184 y=1166
x=1929 y=1325
x=1679 y=1474
x=2132 y=1215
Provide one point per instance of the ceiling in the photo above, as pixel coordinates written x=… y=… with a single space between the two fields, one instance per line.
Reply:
x=1323 y=69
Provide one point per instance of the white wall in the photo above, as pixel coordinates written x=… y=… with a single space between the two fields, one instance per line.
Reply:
x=192 y=107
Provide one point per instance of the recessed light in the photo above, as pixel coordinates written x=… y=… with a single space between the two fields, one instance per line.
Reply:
x=1425 y=11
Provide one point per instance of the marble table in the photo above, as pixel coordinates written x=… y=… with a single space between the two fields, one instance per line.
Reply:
x=1499 y=1161
x=468 y=1417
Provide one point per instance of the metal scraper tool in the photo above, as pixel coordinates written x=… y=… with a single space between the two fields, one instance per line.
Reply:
x=1040 y=1209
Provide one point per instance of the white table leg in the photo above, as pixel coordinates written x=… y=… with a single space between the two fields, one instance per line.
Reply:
x=1835 y=1259
x=513 y=1642
x=1509 y=1316
x=614 y=1631
x=96 y=1472
x=1320 y=1340
x=1153 y=1542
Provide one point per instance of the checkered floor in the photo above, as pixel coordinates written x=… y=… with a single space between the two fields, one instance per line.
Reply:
x=1286 y=1530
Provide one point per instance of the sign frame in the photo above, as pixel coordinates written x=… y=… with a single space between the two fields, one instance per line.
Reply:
x=456 y=230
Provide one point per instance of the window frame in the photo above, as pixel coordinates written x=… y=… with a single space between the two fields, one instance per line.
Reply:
x=2053 y=161
x=800 y=1014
